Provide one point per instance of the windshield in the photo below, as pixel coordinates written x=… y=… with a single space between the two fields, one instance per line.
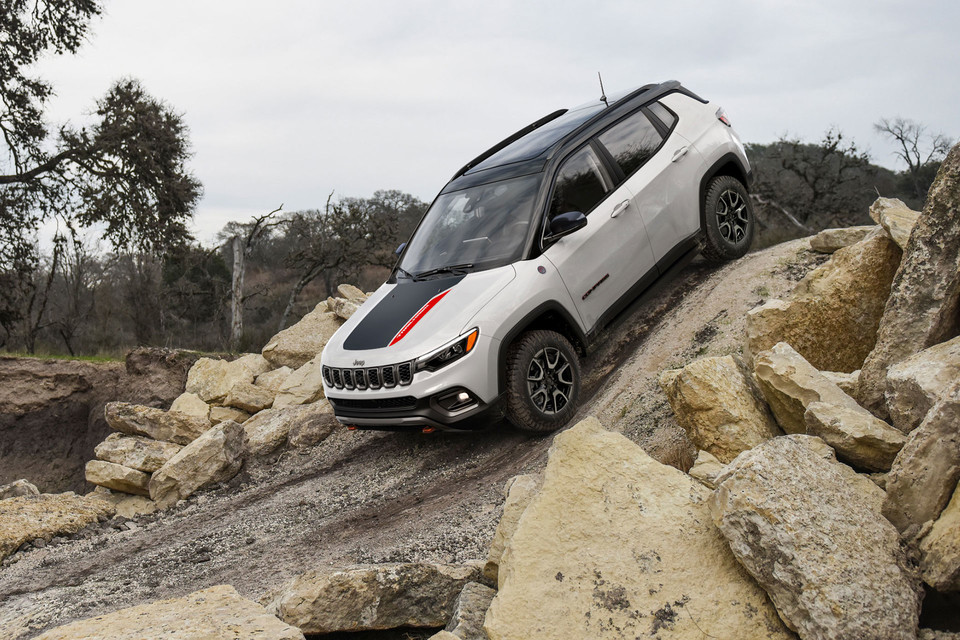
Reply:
x=480 y=227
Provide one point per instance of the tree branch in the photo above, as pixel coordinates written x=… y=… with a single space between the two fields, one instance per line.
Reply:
x=47 y=166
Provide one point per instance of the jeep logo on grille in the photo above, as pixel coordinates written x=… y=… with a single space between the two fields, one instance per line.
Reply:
x=358 y=363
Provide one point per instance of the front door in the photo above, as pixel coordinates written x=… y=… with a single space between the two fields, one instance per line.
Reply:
x=599 y=263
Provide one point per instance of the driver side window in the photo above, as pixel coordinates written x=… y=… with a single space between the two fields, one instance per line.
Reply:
x=581 y=184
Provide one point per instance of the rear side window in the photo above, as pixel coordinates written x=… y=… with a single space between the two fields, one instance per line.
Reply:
x=666 y=116
x=631 y=141
x=581 y=184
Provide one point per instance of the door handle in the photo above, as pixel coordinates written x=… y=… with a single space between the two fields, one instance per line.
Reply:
x=620 y=208
x=679 y=153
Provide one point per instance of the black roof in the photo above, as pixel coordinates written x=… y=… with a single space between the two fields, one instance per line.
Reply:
x=528 y=150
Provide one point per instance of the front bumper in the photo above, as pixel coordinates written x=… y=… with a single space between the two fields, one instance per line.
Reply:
x=407 y=412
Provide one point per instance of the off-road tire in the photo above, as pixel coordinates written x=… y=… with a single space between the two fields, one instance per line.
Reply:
x=537 y=411
x=729 y=223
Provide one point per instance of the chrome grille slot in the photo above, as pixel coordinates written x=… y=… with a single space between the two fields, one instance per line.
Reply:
x=348 y=378
x=405 y=373
x=373 y=378
x=327 y=375
x=389 y=376
x=359 y=379
x=337 y=379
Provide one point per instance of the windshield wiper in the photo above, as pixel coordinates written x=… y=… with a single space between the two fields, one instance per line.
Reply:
x=456 y=269
x=406 y=273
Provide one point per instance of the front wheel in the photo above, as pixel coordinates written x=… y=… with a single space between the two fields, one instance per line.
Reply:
x=543 y=381
x=728 y=220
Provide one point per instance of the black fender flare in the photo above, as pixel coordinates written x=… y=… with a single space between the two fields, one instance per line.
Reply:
x=572 y=332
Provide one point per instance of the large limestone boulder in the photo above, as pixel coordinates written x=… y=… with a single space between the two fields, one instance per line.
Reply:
x=249 y=397
x=832 y=315
x=217 y=613
x=870 y=493
x=117 y=477
x=18 y=488
x=168 y=426
x=805 y=401
x=352 y=293
x=940 y=549
x=924 y=303
x=226 y=414
x=833 y=567
x=830 y=240
x=215 y=456
x=191 y=404
x=296 y=345
x=466 y=622
x=858 y=437
x=27 y=518
x=896 y=218
x=790 y=384
x=519 y=491
x=915 y=384
x=303 y=386
x=617 y=545
x=212 y=379
x=369 y=597
x=848 y=382
x=273 y=380
x=925 y=472
x=269 y=430
x=136 y=452
x=126 y=505
x=719 y=406
x=343 y=308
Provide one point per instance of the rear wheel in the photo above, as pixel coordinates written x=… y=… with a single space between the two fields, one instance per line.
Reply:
x=728 y=223
x=543 y=381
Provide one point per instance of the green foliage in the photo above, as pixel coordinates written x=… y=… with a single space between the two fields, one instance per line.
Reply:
x=195 y=284
x=801 y=187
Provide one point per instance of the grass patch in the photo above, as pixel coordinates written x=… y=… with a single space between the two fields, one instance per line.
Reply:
x=102 y=357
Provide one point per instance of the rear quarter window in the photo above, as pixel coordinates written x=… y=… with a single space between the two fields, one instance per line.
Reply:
x=631 y=142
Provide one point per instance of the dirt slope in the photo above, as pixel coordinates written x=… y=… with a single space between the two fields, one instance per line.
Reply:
x=51 y=411
x=376 y=497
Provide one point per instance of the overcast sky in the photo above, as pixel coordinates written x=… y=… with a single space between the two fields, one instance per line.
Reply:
x=287 y=101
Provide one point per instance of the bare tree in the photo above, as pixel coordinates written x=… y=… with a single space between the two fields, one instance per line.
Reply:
x=80 y=276
x=918 y=148
x=242 y=244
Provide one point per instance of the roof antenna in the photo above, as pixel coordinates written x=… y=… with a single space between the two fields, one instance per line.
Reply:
x=603 y=94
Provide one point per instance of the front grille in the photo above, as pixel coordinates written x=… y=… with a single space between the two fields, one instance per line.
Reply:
x=385 y=377
x=389 y=377
x=405 y=402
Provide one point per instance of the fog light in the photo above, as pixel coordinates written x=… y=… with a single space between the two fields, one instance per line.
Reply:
x=457 y=400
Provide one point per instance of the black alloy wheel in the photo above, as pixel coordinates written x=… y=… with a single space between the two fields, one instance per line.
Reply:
x=729 y=223
x=543 y=381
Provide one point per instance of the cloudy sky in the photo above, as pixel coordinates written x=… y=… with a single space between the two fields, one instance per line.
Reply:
x=287 y=101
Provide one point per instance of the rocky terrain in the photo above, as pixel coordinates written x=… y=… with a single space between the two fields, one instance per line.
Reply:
x=765 y=450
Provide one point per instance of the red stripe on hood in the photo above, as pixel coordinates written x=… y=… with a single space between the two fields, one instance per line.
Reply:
x=417 y=317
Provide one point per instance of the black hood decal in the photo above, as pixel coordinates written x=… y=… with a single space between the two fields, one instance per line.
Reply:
x=385 y=320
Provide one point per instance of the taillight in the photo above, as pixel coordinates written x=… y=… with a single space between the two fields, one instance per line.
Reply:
x=722 y=117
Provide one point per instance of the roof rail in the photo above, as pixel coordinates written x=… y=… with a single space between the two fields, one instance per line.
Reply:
x=507 y=141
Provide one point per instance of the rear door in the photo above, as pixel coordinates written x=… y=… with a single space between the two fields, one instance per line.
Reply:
x=659 y=168
x=599 y=263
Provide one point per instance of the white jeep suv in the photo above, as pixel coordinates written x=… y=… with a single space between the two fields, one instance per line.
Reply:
x=529 y=251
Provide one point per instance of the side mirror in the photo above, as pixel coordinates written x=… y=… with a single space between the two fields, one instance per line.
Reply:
x=566 y=223
x=400 y=249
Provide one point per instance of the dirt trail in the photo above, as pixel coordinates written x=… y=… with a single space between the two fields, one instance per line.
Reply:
x=380 y=497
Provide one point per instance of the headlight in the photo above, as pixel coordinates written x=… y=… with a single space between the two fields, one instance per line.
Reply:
x=449 y=352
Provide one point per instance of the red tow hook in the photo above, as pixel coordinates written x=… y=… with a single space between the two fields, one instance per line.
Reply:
x=428 y=429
